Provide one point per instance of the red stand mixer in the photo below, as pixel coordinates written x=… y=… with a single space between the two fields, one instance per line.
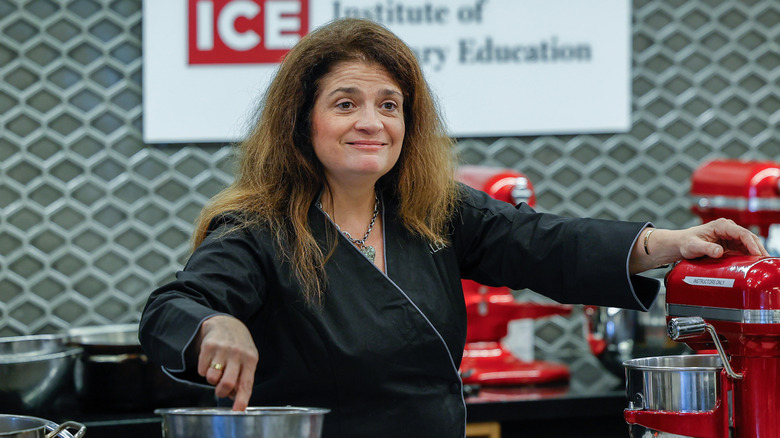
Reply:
x=490 y=309
x=733 y=305
x=747 y=192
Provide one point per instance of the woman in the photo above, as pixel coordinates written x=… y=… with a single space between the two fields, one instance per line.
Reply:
x=329 y=273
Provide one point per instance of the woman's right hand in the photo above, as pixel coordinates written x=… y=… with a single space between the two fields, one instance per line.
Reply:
x=228 y=358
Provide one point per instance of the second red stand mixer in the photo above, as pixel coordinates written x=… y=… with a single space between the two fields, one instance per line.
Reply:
x=490 y=309
x=747 y=192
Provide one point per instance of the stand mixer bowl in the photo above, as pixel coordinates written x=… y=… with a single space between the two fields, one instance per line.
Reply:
x=686 y=383
x=672 y=384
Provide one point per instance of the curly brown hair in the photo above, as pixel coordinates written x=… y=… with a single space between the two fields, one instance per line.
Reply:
x=279 y=176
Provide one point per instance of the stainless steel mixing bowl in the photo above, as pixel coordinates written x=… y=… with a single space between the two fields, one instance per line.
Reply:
x=33 y=371
x=687 y=383
x=259 y=422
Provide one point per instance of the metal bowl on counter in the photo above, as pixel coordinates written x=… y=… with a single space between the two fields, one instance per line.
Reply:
x=21 y=426
x=34 y=370
x=255 y=422
x=33 y=344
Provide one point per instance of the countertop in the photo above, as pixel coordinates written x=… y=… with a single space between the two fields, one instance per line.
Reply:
x=593 y=395
x=590 y=404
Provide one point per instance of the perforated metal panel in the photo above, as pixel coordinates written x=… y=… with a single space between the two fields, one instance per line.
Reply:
x=92 y=219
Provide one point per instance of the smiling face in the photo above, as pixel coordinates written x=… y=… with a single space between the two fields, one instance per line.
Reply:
x=357 y=123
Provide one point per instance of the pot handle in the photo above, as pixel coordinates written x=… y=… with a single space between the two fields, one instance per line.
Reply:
x=55 y=429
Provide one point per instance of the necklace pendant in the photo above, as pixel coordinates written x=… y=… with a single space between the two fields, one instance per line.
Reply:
x=369 y=252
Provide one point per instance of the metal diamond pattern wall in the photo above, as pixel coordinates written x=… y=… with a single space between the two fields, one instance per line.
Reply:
x=92 y=219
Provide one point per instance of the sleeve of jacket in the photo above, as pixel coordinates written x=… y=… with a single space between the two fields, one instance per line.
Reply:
x=224 y=275
x=569 y=260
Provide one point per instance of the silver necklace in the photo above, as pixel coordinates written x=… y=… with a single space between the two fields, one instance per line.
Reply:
x=367 y=250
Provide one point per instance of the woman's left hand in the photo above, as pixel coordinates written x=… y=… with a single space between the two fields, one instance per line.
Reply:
x=711 y=239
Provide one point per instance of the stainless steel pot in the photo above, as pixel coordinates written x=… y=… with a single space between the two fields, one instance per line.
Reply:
x=676 y=384
x=105 y=337
x=20 y=426
x=34 y=370
x=265 y=422
x=114 y=373
x=111 y=374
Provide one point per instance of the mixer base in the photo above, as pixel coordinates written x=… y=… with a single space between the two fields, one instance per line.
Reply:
x=489 y=363
x=635 y=431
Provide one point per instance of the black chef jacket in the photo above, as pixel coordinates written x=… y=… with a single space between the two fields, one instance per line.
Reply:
x=382 y=351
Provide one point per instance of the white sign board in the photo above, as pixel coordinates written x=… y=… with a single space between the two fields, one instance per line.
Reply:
x=497 y=67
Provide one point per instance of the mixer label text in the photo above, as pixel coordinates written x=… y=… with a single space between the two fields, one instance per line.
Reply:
x=706 y=281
